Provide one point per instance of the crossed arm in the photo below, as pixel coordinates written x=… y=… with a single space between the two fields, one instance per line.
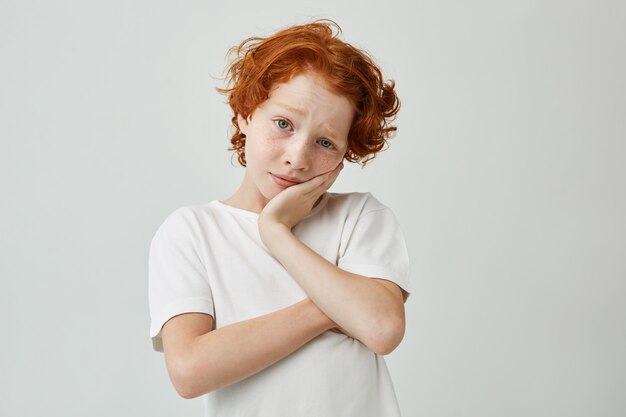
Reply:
x=200 y=360
x=368 y=309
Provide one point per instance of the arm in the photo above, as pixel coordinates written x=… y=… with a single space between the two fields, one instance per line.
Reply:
x=370 y=310
x=200 y=360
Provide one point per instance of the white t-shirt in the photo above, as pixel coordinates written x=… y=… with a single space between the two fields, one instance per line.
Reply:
x=210 y=258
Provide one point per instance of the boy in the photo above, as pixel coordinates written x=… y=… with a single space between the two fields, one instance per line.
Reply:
x=282 y=299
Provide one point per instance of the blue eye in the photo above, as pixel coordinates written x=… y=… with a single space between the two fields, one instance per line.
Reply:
x=325 y=143
x=283 y=124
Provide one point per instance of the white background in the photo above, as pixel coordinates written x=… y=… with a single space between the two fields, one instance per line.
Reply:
x=507 y=174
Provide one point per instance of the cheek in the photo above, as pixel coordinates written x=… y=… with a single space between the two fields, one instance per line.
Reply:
x=327 y=162
x=261 y=149
x=271 y=147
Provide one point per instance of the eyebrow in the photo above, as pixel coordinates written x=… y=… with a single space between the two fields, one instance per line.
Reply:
x=303 y=112
x=292 y=109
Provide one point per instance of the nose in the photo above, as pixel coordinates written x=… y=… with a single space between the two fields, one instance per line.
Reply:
x=297 y=155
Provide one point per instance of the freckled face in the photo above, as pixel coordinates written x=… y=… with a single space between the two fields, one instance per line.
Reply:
x=299 y=132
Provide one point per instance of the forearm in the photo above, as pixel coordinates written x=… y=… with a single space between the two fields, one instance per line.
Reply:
x=364 y=308
x=232 y=353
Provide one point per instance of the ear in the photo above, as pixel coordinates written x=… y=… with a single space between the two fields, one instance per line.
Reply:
x=243 y=124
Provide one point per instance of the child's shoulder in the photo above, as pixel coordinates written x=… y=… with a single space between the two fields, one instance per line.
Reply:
x=356 y=202
x=185 y=213
x=186 y=219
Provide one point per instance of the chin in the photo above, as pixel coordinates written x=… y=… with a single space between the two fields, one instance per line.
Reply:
x=267 y=189
x=268 y=192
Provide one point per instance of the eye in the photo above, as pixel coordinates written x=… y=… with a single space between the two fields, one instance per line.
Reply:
x=282 y=124
x=325 y=143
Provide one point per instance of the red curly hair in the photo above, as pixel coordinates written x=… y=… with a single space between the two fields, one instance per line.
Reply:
x=260 y=63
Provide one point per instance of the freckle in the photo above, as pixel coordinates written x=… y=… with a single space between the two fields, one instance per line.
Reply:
x=328 y=162
x=273 y=144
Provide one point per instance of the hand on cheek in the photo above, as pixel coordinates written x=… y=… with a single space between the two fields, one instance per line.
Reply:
x=289 y=206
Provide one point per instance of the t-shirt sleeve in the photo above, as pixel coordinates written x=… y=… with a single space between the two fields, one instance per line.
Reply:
x=376 y=248
x=177 y=277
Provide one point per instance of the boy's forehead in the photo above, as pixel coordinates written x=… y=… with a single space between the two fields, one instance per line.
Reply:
x=291 y=108
x=295 y=93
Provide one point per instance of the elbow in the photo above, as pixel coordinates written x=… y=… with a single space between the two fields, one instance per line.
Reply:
x=186 y=391
x=186 y=381
x=182 y=381
x=187 y=388
x=388 y=336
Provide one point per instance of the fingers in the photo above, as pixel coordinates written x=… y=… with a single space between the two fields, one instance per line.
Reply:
x=337 y=169
x=332 y=175
x=322 y=182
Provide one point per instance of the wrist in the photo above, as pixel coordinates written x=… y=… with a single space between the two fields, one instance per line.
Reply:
x=323 y=321
x=310 y=313
x=272 y=233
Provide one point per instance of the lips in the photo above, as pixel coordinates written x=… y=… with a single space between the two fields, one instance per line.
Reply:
x=284 y=180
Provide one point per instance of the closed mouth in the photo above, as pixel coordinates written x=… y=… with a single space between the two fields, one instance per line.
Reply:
x=290 y=179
